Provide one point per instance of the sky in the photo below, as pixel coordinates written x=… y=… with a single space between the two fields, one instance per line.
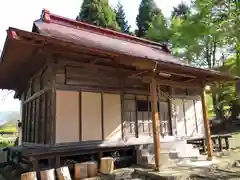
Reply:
x=21 y=14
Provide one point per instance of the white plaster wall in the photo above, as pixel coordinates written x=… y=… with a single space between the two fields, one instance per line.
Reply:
x=178 y=117
x=112 y=116
x=199 y=115
x=67 y=116
x=91 y=116
x=194 y=128
x=190 y=117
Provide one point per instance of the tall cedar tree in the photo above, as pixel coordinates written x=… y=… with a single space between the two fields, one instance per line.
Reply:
x=99 y=13
x=147 y=12
x=182 y=11
x=121 y=19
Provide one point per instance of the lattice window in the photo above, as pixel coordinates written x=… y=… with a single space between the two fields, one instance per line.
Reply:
x=138 y=117
x=144 y=120
x=129 y=114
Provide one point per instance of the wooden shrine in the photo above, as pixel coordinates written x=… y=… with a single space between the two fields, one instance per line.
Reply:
x=86 y=89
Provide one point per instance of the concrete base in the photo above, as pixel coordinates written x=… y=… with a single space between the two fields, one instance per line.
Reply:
x=173 y=151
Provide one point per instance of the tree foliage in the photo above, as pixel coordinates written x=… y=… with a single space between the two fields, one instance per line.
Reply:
x=148 y=10
x=98 y=12
x=158 y=30
x=205 y=34
x=182 y=11
x=121 y=19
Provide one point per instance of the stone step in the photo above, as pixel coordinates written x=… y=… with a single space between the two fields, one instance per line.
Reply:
x=149 y=160
x=189 y=153
x=184 y=150
x=170 y=153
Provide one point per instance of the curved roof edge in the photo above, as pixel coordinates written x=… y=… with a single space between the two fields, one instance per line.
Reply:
x=48 y=17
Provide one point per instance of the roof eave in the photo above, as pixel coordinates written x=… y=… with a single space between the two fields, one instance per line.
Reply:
x=215 y=75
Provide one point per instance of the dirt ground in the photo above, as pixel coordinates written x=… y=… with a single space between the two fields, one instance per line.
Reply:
x=226 y=168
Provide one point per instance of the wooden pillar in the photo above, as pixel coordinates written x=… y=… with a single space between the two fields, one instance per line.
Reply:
x=53 y=104
x=155 y=122
x=206 y=125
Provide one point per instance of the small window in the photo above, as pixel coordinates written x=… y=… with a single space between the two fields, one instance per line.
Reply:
x=194 y=92
x=180 y=91
x=143 y=105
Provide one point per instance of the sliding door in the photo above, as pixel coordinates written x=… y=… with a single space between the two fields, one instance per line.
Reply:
x=91 y=115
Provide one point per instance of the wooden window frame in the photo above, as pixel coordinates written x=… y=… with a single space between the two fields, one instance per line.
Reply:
x=135 y=122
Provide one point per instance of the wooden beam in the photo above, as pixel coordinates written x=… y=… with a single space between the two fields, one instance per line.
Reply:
x=53 y=104
x=45 y=116
x=206 y=126
x=155 y=122
x=24 y=122
x=80 y=114
x=33 y=121
x=102 y=116
x=194 y=84
x=121 y=87
x=177 y=74
x=184 y=115
x=195 y=115
x=36 y=95
x=136 y=118
x=170 y=90
x=37 y=116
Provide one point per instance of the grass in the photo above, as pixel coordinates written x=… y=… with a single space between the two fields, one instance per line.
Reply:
x=209 y=102
x=6 y=138
x=5 y=144
x=8 y=128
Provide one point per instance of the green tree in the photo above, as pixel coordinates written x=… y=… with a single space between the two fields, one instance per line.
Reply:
x=229 y=13
x=158 y=30
x=98 y=12
x=182 y=11
x=147 y=12
x=121 y=19
x=198 y=36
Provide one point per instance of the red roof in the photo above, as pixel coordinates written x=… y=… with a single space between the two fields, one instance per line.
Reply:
x=103 y=39
x=21 y=49
x=53 y=18
x=95 y=40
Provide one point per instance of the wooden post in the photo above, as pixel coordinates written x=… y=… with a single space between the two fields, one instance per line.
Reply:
x=206 y=126
x=48 y=174
x=155 y=123
x=107 y=165
x=92 y=168
x=80 y=170
x=63 y=173
x=29 y=176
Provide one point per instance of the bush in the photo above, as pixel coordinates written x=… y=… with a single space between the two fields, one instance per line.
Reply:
x=4 y=144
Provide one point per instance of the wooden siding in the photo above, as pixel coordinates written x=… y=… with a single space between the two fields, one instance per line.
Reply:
x=39 y=102
x=36 y=119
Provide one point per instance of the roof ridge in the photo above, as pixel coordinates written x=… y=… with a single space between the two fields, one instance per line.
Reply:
x=48 y=17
